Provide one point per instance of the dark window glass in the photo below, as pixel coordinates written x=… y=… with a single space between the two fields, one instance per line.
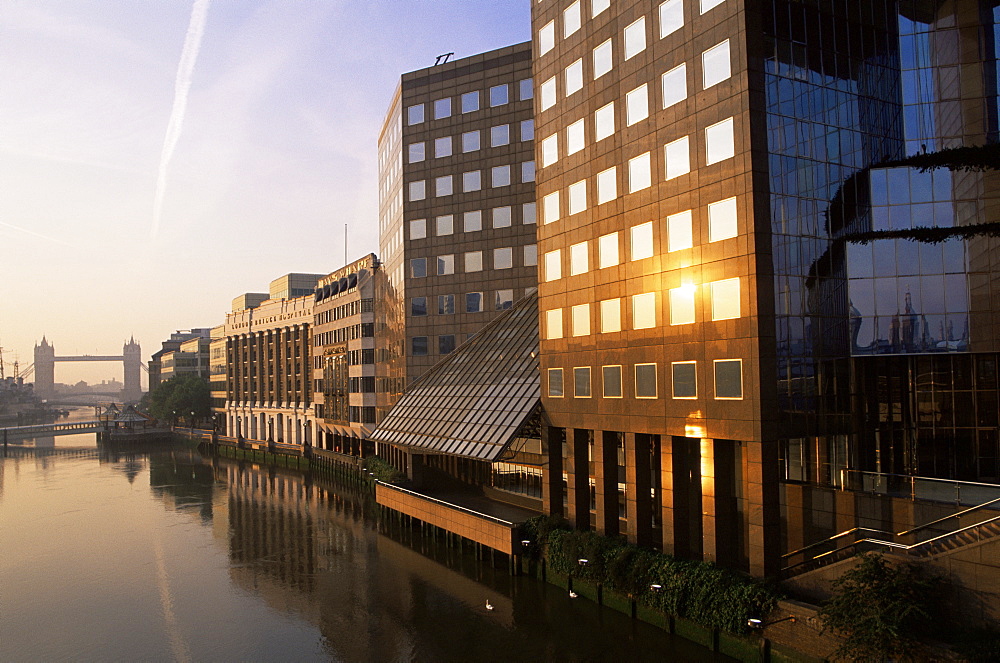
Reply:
x=446 y=343
x=612 y=377
x=473 y=302
x=418 y=306
x=729 y=378
x=446 y=304
x=418 y=267
x=555 y=382
x=581 y=382
x=685 y=380
x=645 y=381
x=419 y=346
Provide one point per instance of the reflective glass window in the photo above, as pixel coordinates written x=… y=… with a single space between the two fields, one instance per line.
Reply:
x=578 y=197
x=722 y=222
x=607 y=185
x=574 y=77
x=473 y=221
x=602 y=59
x=503 y=258
x=580 y=319
x=611 y=315
x=645 y=381
x=526 y=89
x=607 y=250
x=553 y=324
x=501 y=217
x=571 y=19
x=499 y=95
x=674 y=85
x=720 y=143
x=527 y=171
x=418 y=346
x=470 y=141
x=530 y=255
x=604 y=121
x=416 y=152
x=472 y=181
x=575 y=137
x=641 y=237
x=527 y=130
x=636 y=105
x=548 y=94
x=474 y=261
x=547 y=38
x=443 y=186
x=470 y=101
x=446 y=265
x=716 y=65
x=418 y=228
x=612 y=381
x=578 y=259
x=635 y=38
x=555 y=376
x=418 y=267
x=682 y=305
x=446 y=304
x=418 y=306
x=473 y=302
x=500 y=135
x=442 y=147
x=639 y=174
x=671 y=17
x=415 y=114
x=446 y=343
x=500 y=176
x=444 y=225
x=581 y=382
x=644 y=310
x=679 y=231
x=684 y=379
x=677 y=158
x=725 y=299
x=504 y=299
x=418 y=190
x=442 y=108
x=550 y=207
x=550 y=150
x=553 y=265
x=728 y=378
x=528 y=213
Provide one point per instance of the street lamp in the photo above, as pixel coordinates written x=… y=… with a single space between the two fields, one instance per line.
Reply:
x=192 y=422
x=760 y=625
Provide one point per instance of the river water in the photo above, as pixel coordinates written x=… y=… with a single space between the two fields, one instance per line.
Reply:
x=171 y=556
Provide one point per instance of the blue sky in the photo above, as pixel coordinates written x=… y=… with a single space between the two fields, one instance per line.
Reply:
x=273 y=132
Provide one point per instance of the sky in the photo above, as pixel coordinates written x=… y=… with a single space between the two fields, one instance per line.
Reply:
x=159 y=158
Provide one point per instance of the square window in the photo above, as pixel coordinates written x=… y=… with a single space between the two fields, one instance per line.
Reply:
x=473 y=302
x=418 y=268
x=527 y=130
x=446 y=344
x=443 y=186
x=575 y=137
x=607 y=185
x=684 y=378
x=636 y=105
x=604 y=121
x=504 y=299
x=446 y=304
x=611 y=316
x=574 y=77
x=679 y=231
x=526 y=89
x=720 y=143
x=682 y=305
x=555 y=382
x=474 y=261
x=530 y=255
x=500 y=176
x=635 y=38
x=501 y=217
x=671 y=17
x=529 y=214
x=612 y=381
x=602 y=59
x=418 y=306
x=418 y=190
x=722 y=220
x=553 y=265
x=598 y=6
x=607 y=250
x=710 y=4
x=527 y=171
x=445 y=225
x=642 y=241
x=553 y=324
x=446 y=265
x=470 y=101
x=578 y=259
x=548 y=94
x=500 y=135
x=550 y=150
x=677 y=157
x=442 y=108
x=645 y=380
x=571 y=19
x=418 y=228
x=674 y=85
x=715 y=65
x=578 y=197
x=639 y=176
x=728 y=379
x=472 y=181
x=580 y=317
x=726 y=299
x=581 y=382
x=416 y=152
x=415 y=114
x=419 y=346
x=473 y=221
x=547 y=38
x=442 y=147
x=470 y=141
x=644 y=310
x=550 y=207
x=499 y=95
x=503 y=258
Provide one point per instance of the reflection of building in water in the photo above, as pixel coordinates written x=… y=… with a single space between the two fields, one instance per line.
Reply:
x=184 y=479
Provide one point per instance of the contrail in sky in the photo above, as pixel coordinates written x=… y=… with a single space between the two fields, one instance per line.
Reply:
x=185 y=69
x=32 y=232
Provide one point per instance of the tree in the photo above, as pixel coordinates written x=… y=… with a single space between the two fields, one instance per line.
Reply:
x=182 y=394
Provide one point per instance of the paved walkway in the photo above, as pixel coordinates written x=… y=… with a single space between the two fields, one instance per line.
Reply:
x=473 y=499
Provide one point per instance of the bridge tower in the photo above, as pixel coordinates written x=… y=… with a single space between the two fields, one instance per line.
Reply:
x=132 y=359
x=45 y=369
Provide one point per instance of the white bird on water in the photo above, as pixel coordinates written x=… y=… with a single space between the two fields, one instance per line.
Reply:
x=572 y=594
x=489 y=606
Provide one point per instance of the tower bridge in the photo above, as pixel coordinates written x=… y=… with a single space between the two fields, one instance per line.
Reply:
x=46 y=358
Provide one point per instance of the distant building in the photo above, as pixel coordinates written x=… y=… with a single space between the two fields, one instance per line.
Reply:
x=190 y=358
x=168 y=346
x=217 y=371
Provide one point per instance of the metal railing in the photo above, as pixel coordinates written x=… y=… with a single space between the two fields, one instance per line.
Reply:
x=916 y=487
x=450 y=505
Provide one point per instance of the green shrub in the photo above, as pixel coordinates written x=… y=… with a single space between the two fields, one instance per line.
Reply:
x=382 y=470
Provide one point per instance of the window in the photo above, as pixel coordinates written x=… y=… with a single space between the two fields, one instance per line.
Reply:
x=527 y=130
x=580 y=319
x=679 y=231
x=526 y=89
x=720 y=144
x=715 y=65
x=728 y=379
x=528 y=214
x=470 y=141
x=548 y=93
x=446 y=265
x=418 y=268
x=442 y=108
x=722 y=220
x=527 y=171
x=550 y=207
x=598 y=6
x=501 y=217
x=443 y=186
x=612 y=381
x=574 y=77
x=418 y=190
x=445 y=225
x=416 y=152
x=418 y=228
x=500 y=135
x=607 y=250
x=671 y=17
x=553 y=265
x=418 y=306
x=500 y=176
x=636 y=105
x=504 y=299
x=550 y=150
x=726 y=299
x=578 y=197
x=682 y=305
x=607 y=185
x=602 y=59
x=644 y=310
x=473 y=302
x=446 y=304
x=684 y=378
x=604 y=121
x=503 y=258
x=547 y=38
x=639 y=176
x=446 y=343
x=530 y=255
x=581 y=382
x=645 y=380
x=442 y=147
x=498 y=95
x=571 y=19
x=710 y=4
x=574 y=137
x=553 y=324
x=611 y=316
x=578 y=259
x=472 y=181
x=677 y=157
x=674 y=84
x=415 y=114
x=419 y=346
x=472 y=221
x=474 y=261
x=555 y=382
x=635 y=38
x=470 y=102
x=642 y=241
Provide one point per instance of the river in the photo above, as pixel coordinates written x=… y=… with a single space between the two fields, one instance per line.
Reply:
x=171 y=556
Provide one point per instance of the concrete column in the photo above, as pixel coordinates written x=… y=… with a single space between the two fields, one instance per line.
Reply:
x=637 y=480
x=708 y=511
x=667 y=525
x=578 y=471
x=763 y=508
x=606 y=479
x=552 y=469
